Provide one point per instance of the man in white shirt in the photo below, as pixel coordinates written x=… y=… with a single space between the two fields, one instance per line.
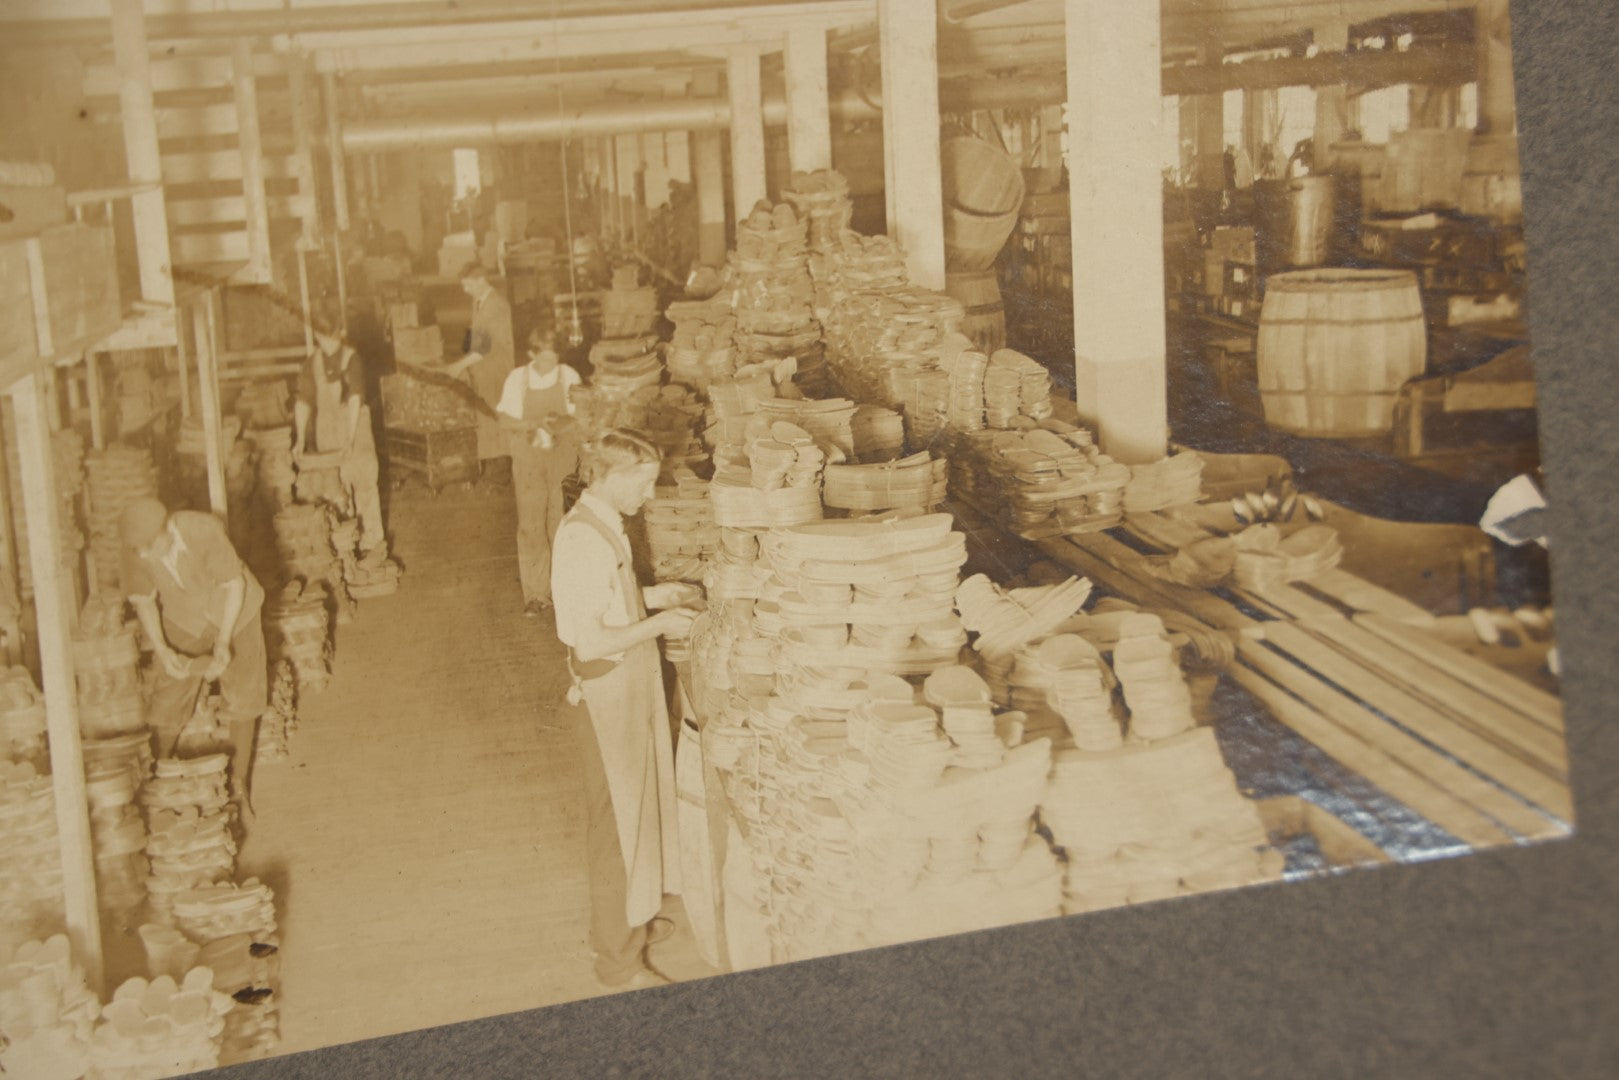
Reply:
x=536 y=412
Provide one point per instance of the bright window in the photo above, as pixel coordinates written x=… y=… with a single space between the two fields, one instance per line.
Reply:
x=467 y=177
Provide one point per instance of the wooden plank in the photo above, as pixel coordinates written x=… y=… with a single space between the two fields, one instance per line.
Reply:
x=53 y=608
x=202 y=324
x=193 y=121
x=1534 y=703
x=1358 y=747
x=1362 y=595
x=232 y=208
x=1343 y=846
x=1350 y=749
x=1418 y=717
x=202 y=166
x=251 y=151
x=180 y=73
x=210 y=247
x=1200 y=603
x=1512 y=731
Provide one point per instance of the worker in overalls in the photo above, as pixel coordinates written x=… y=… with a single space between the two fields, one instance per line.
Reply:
x=619 y=705
x=199 y=605
x=490 y=357
x=331 y=388
x=536 y=412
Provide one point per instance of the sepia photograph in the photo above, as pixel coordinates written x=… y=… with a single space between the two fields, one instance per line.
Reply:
x=515 y=502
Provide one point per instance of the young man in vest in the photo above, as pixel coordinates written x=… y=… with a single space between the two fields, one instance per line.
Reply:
x=536 y=414
x=331 y=391
x=199 y=605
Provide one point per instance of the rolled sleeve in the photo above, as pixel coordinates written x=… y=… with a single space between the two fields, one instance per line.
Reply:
x=136 y=575
x=512 y=393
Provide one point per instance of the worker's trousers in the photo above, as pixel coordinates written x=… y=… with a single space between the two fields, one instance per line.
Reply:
x=244 y=691
x=537 y=482
x=360 y=476
x=619 y=947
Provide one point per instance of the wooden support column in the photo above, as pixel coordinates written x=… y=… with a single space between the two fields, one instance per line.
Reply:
x=1117 y=224
x=1209 y=113
x=203 y=324
x=334 y=144
x=1332 y=100
x=656 y=159
x=141 y=151
x=708 y=174
x=1497 y=92
x=627 y=152
x=303 y=139
x=252 y=150
x=55 y=615
x=909 y=42
x=1049 y=124
x=92 y=391
x=809 y=116
x=677 y=151
x=303 y=298
x=747 y=131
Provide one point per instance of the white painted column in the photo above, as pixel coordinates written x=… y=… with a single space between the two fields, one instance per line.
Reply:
x=257 y=209
x=677 y=151
x=656 y=160
x=334 y=141
x=1115 y=108
x=141 y=150
x=202 y=325
x=708 y=174
x=1209 y=110
x=304 y=147
x=909 y=42
x=53 y=608
x=747 y=132
x=627 y=151
x=809 y=116
x=1331 y=102
x=1497 y=90
x=93 y=396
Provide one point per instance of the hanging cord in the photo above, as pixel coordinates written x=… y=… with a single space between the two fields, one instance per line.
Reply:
x=574 y=327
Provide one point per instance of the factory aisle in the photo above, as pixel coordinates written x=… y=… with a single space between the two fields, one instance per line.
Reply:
x=425 y=838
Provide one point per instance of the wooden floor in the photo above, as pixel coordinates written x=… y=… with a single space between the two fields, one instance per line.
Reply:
x=425 y=838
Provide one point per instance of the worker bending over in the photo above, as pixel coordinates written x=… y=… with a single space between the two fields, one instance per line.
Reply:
x=536 y=412
x=621 y=719
x=490 y=357
x=199 y=605
x=331 y=390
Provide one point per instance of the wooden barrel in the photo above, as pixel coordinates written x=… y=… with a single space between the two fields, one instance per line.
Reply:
x=1335 y=346
x=983 y=189
x=985 y=317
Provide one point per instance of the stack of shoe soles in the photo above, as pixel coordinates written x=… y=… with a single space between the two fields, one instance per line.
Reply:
x=280 y=720
x=680 y=528
x=774 y=481
x=622 y=366
x=1006 y=621
x=628 y=312
x=873 y=595
x=189 y=843
x=700 y=352
x=1149 y=675
x=235 y=926
x=877 y=433
x=119 y=475
x=22 y=717
x=1174 y=481
x=773 y=295
x=1046 y=481
x=822 y=200
x=297 y=627
x=1153 y=820
x=105 y=662
x=47 y=1011
x=118 y=841
x=160 y=1028
x=277 y=475
x=915 y=483
x=1265 y=557
x=31 y=887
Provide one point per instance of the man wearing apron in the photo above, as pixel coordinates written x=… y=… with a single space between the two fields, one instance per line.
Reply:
x=332 y=387
x=195 y=598
x=620 y=709
x=534 y=411
x=490 y=357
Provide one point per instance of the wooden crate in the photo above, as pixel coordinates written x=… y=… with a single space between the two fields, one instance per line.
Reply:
x=80 y=300
x=436 y=457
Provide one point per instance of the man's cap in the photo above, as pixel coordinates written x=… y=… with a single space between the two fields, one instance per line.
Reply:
x=142 y=520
